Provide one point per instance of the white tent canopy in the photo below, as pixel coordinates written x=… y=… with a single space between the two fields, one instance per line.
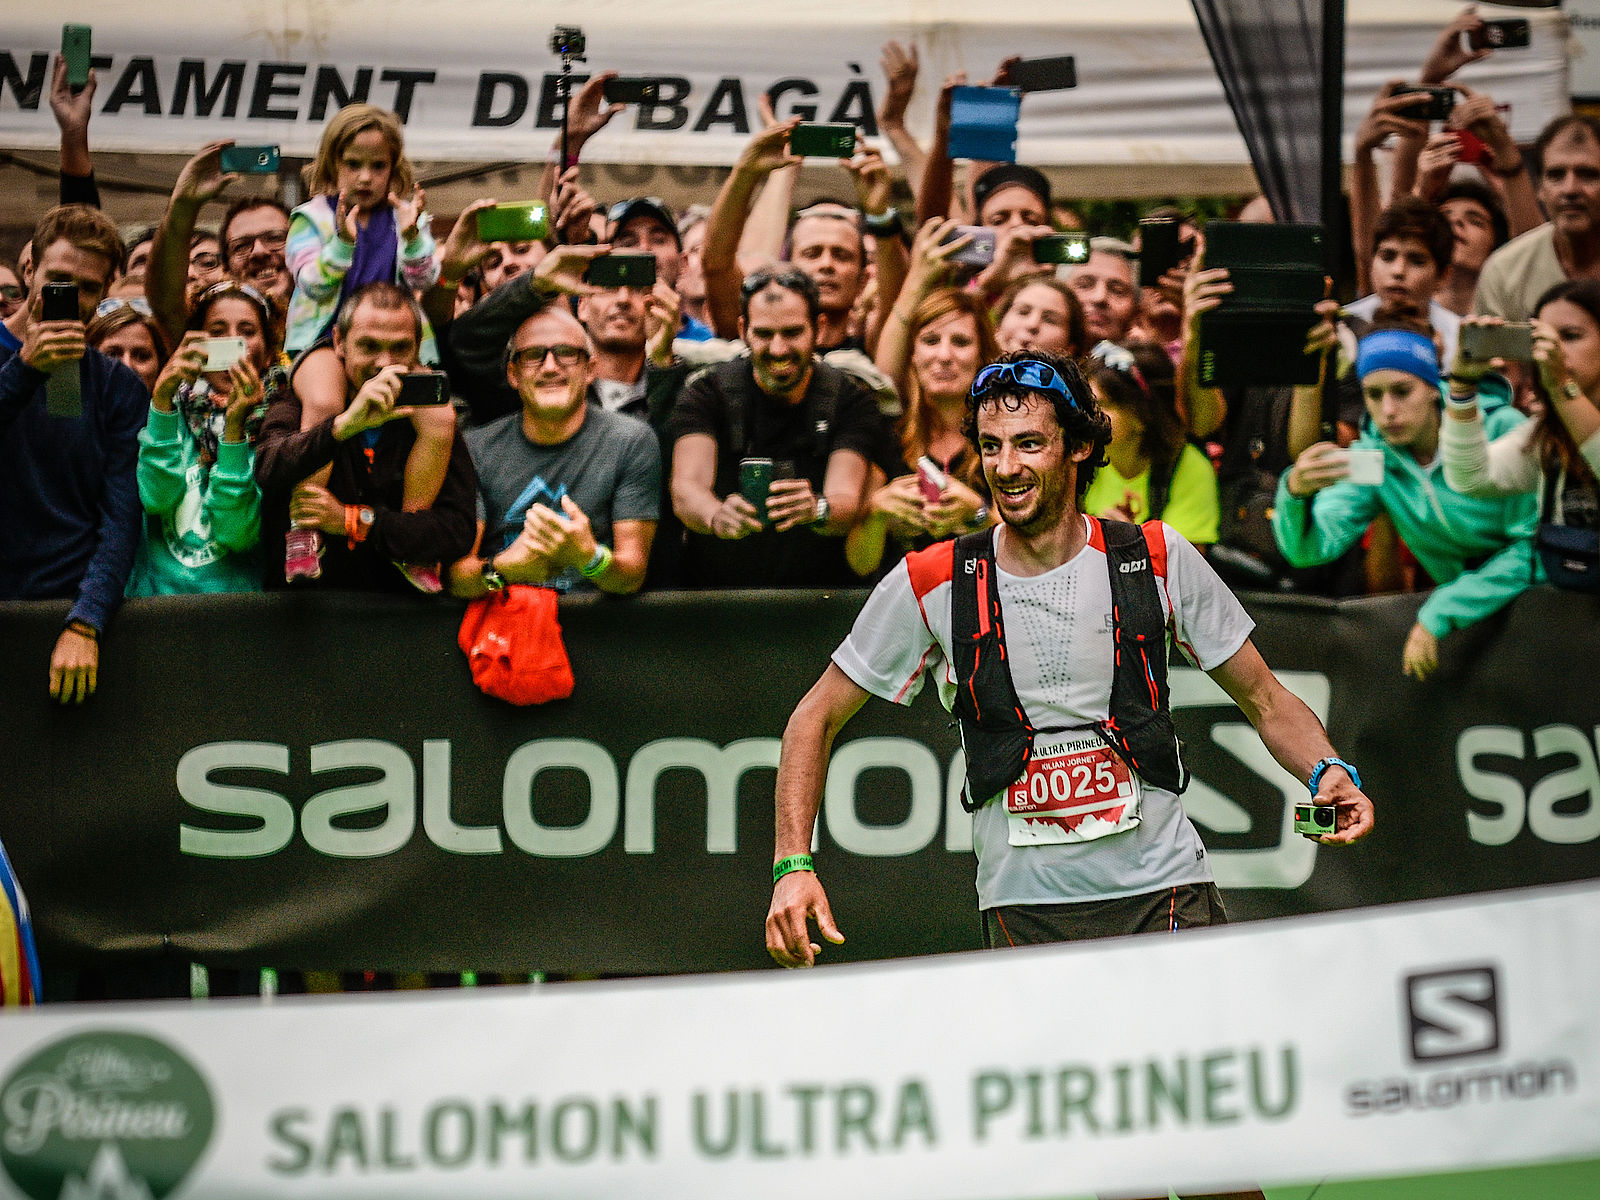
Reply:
x=265 y=71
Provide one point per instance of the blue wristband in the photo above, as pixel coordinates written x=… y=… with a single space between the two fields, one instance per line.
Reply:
x=1317 y=772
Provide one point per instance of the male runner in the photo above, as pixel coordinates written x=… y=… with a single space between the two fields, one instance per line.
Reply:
x=1078 y=830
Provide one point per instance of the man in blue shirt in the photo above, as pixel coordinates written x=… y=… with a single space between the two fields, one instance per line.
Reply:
x=69 y=502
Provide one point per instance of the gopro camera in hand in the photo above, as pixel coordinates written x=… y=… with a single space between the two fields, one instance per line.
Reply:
x=1315 y=820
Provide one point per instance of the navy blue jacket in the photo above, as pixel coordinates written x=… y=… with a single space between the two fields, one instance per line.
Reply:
x=69 y=502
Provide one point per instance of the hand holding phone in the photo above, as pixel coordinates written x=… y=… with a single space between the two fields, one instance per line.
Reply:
x=248 y=160
x=631 y=91
x=1515 y=34
x=1433 y=103
x=1059 y=248
x=808 y=140
x=524 y=221
x=931 y=479
x=424 y=389
x=1512 y=341
x=979 y=252
x=637 y=271
x=59 y=303
x=222 y=353
x=75 y=49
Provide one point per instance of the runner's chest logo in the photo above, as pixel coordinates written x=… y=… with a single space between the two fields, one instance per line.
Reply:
x=103 y=1116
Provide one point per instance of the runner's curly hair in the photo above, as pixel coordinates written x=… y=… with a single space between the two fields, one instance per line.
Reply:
x=1079 y=416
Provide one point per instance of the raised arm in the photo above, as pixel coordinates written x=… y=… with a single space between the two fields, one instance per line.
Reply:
x=900 y=64
x=166 y=277
x=72 y=112
x=767 y=152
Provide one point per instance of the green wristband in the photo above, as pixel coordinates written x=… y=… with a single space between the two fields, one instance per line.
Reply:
x=795 y=862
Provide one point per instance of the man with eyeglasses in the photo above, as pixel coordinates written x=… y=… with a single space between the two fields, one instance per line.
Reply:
x=569 y=492
x=1036 y=634
x=251 y=240
x=770 y=452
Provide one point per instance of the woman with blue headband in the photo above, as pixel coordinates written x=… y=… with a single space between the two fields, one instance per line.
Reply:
x=1477 y=549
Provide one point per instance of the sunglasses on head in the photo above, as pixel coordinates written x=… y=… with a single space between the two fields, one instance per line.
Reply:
x=1030 y=375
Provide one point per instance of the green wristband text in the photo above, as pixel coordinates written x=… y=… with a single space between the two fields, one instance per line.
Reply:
x=795 y=862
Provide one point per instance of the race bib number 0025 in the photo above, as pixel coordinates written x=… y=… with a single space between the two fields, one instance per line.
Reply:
x=1074 y=790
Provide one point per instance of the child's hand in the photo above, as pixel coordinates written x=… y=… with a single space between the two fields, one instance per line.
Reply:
x=408 y=212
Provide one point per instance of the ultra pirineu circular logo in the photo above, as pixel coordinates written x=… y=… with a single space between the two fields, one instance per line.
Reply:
x=107 y=1116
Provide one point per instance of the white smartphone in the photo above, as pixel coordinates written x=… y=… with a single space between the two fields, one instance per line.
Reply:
x=1366 y=467
x=222 y=353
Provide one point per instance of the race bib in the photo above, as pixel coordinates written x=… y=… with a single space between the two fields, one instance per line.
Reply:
x=1076 y=789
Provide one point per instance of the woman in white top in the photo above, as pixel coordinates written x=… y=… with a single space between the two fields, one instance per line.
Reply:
x=1558 y=453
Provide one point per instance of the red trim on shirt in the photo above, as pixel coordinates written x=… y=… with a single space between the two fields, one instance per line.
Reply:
x=930 y=567
x=1155 y=536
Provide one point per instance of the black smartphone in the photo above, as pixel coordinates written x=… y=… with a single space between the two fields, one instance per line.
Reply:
x=75 y=41
x=419 y=389
x=524 y=221
x=1161 y=249
x=1434 y=104
x=249 y=160
x=755 y=481
x=622 y=270
x=631 y=91
x=1045 y=74
x=823 y=141
x=1514 y=34
x=1512 y=341
x=1061 y=248
x=60 y=303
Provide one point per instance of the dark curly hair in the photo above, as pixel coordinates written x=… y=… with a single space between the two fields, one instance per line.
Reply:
x=1079 y=416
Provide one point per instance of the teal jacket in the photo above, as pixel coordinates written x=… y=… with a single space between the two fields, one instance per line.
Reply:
x=1443 y=528
x=202 y=527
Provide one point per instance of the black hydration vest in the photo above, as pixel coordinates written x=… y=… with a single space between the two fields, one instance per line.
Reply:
x=995 y=732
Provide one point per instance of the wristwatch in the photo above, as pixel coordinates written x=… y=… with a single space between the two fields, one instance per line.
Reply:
x=821 y=518
x=492 y=579
x=1318 y=770
x=888 y=221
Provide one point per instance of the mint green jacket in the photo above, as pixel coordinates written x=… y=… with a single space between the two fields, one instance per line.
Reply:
x=202 y=528
x=1446 y=530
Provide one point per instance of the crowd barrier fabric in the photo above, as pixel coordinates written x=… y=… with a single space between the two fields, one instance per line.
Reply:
x=1443 y=1036
x=312 y=781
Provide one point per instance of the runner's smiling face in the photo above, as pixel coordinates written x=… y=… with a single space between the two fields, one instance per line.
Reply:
x=1030 y=471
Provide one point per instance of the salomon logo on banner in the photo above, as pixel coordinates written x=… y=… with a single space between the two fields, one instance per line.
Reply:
x=103 y=1116
x=1454 y=1014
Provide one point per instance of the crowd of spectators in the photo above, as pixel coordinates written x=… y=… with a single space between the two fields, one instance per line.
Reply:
x=782 y=406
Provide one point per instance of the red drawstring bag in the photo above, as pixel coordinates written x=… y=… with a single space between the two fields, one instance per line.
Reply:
x=513 y=645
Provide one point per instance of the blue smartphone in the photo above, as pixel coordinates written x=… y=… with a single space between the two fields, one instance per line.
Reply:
x=249 y=160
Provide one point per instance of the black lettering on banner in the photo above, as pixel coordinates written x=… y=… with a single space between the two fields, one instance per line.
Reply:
x=26 y=89
x=268 y=89
x=728 y=91
x=669 y=112
x=405 y=88
x=549 y=114
x=489 y=85
x=137 y=85
x=801 y=87
x=855 y=108
x=328 y=90
x=226 y=85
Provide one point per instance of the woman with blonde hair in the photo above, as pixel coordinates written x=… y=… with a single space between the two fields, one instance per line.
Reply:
x=951 y=338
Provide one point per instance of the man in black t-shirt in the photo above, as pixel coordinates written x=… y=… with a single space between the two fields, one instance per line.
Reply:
x=816 y=427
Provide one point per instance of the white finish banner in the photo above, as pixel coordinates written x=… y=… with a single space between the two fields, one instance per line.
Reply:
x=477 y=81
x=1439 y=1036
